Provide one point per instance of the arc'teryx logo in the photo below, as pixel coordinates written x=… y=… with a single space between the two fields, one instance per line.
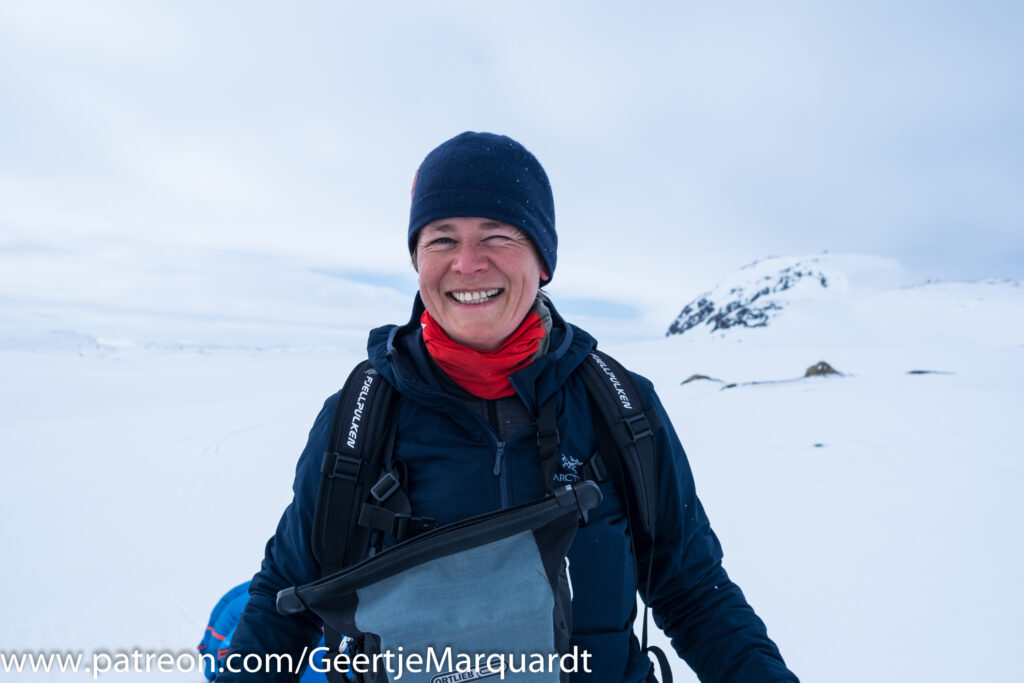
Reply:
x=615 y=382
x=357 y=414
x=569 y=474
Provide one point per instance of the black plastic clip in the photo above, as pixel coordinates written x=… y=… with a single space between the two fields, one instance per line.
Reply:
x=638 y=427
x=385 y=486
x=344 y=466
x=289 y=602
x=584 y=496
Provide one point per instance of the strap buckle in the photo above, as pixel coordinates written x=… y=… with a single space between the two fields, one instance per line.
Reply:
x=399 y=525
x=404 y=525
x=421 y=524
x=344 y=466
x=385 y=486
x=638 y=427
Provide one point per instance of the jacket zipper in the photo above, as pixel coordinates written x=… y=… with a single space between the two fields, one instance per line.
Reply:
x=502 y=475
x=504 y=485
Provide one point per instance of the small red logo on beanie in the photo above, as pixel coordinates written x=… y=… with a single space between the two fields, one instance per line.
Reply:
x=412 y=191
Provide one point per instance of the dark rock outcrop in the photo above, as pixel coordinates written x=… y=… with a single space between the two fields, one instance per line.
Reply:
x=821 y=368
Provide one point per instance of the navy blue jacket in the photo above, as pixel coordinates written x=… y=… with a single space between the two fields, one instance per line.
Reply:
x=457 y=468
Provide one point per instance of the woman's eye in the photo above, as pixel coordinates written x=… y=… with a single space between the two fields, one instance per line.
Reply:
x=443 y=240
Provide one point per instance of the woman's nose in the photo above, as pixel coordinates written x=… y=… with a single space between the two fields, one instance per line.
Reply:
x=470 y=258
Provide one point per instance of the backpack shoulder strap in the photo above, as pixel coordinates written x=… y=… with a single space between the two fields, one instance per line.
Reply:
x=362 y=496
x=626 y=450
x=352 y=463
x=630 y=426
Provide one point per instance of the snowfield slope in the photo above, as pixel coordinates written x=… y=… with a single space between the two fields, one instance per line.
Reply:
x=871 y=518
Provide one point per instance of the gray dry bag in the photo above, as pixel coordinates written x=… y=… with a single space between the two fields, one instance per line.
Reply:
x=485 y=597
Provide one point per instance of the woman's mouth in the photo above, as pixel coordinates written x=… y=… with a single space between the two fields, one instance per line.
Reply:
x=475 y=297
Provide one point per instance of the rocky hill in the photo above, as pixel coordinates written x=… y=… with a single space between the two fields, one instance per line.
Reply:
x=760 y=291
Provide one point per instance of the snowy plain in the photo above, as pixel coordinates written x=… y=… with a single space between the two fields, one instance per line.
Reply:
x=152 y=412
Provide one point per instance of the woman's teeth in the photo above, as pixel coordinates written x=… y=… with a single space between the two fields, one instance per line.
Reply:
x=475 y=297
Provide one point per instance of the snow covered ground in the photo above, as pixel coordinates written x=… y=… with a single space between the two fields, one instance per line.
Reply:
x=150 y=421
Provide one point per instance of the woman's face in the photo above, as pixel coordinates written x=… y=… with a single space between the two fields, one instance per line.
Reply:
x=478 y=278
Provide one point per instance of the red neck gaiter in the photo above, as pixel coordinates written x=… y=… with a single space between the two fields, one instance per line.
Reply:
x=484 y=373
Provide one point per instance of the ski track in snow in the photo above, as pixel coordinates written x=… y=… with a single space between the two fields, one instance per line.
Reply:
x=871 y=519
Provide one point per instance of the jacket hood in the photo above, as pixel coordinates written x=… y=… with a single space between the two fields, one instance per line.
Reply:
x=398 y=354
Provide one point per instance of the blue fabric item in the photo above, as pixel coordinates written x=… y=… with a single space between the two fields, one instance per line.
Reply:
x=482 y=175
x=221 y=627
x=454 y=472
x=223 y=620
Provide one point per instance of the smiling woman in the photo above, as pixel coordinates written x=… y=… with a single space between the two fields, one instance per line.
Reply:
x=494 y=406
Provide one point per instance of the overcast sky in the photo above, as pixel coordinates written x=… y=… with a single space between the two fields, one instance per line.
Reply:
x=682 y=139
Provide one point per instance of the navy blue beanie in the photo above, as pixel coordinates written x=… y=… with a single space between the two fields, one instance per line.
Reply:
x=484 y=175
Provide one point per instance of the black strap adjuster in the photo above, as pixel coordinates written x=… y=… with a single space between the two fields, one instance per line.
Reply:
x=385 y=486
x=399 y=525
x=396 y=524
x=638 y=427
x=341 y=465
